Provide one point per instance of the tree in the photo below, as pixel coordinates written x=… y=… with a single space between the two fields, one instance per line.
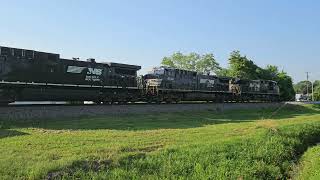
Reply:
x=317 y=93
x=316 y=90
x=224 y=72
x=207 y=64
x=241 y=67
x=287 y=92
x=270 y=72
x=301 y=87
x=194 y=62
x=316 y=84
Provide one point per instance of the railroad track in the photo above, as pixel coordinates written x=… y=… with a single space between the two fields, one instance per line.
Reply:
x=39 y=104
x=75 y=111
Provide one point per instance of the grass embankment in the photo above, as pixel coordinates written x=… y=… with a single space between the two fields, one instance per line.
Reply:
x=310 y=164
x=246 y=144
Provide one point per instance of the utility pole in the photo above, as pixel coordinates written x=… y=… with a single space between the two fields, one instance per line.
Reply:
x=307 y=84
x=312 y=92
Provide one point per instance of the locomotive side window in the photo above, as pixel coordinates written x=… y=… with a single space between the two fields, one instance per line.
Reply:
x=159 y=71
x=165 y=72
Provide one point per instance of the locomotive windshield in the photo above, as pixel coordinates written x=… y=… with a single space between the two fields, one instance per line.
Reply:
x=157 y=71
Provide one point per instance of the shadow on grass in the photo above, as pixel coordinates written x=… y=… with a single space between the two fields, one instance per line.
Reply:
x=180 y=120
x=4 y=133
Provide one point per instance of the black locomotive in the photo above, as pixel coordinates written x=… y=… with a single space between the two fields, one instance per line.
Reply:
x=170 y=84
x=28 y=75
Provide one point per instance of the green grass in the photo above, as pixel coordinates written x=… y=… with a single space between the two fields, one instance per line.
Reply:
x=310 y=164
x=241 y=144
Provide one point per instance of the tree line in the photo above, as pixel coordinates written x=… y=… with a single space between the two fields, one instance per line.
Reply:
x=239 y=67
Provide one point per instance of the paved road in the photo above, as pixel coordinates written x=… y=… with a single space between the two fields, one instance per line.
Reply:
x=312 y=102
x=304 y=102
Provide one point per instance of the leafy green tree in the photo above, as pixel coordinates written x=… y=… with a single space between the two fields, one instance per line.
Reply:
x=168 y=62
x=241 y=67
x=316 y=90
x=224 y=72
x=194 y=62
x=316 y=83
x=317 y=93
x=301 y=87
x=287 y=92
x=270 y=72
x=207 y=64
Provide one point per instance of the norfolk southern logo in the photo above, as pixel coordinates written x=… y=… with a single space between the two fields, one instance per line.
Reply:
x=93 y=74
x=92 y=71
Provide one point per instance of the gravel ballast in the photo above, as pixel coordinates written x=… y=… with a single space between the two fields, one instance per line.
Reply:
x=60 y=111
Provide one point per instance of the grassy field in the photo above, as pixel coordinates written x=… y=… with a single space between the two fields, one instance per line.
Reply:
x=242 y=144
x=310 y=164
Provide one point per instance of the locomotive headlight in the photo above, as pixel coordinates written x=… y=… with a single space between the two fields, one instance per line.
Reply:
x=154 y=82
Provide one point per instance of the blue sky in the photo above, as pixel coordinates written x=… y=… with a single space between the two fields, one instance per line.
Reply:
x=285 y=33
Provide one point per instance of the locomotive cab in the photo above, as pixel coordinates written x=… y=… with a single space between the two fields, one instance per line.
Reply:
x=153 y=80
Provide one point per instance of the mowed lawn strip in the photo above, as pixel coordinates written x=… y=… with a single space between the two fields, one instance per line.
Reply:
x=232 y=144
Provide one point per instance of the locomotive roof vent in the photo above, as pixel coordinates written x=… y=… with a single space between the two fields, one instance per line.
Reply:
x=91 y=60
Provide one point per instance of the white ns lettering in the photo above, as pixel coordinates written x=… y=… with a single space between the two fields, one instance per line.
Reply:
x=93 y=71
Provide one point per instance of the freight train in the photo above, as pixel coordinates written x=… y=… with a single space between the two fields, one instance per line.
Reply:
x=28 y=75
